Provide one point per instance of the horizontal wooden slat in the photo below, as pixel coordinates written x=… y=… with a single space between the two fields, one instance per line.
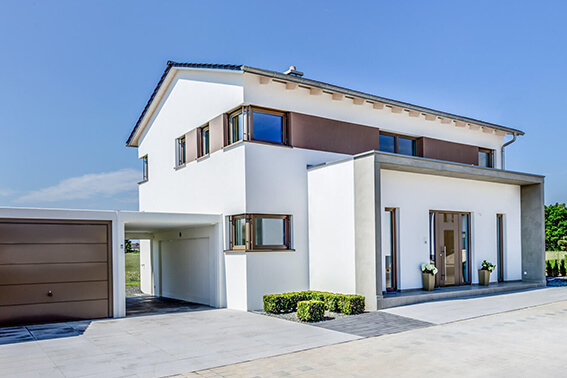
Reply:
x=52 y=253
x=25 y=314
x=61 y=292
x=45 y=273
x=42 y=233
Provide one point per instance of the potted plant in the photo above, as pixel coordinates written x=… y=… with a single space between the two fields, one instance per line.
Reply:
x=484 y=273
x=428 y=272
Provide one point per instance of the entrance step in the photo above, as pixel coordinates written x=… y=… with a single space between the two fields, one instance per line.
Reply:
x=418 y=296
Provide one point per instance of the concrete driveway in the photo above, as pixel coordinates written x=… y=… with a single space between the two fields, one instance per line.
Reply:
x=153 y=346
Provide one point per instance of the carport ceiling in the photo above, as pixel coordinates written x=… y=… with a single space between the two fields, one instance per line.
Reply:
x=145 y=222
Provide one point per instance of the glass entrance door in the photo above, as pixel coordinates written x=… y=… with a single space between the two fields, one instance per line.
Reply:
x=451 y=247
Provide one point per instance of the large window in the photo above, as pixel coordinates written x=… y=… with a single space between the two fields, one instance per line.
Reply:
x=397 y=144
x=268 y=126
x=391 y=250
x=500 y=246
x=204 y=145
x=485 y=158
x=180 y=152
x=260 y=232
x=145 y=176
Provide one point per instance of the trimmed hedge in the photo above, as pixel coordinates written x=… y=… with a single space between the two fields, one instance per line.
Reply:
x=310 y=311
x=287 y=302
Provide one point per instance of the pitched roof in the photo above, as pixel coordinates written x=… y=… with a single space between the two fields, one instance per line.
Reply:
x=311 y=83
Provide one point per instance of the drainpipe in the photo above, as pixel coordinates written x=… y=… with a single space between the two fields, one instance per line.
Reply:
x=514 y=136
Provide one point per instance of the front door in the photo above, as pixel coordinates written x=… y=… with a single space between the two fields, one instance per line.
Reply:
x=451 y=248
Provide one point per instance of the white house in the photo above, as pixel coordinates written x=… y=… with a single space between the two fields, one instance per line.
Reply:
x=325 y=188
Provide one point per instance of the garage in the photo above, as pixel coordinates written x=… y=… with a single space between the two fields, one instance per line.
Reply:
x=54 y=270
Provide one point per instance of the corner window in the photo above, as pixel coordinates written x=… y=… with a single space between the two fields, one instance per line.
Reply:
x=397 y=144
x=269 y=126
x=144 y=169
x=180 y=152
x=236 y=126
x=204 y=144
x=485 y=158
x=260 y=232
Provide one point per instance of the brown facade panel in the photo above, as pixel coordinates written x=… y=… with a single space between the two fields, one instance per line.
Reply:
x=192 y=145
x=218 y=133
x=45 y=233
x=324 y=134
x=51 y=312
x=447 y=151
x=45 y=273
x=52 y=253
x=60 y=292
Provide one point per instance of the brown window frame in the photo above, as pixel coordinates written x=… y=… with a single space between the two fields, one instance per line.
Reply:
x=250 y=233
x=394 y=230
x=202 y=150
x=285 y=136
x=180 y=152
x=500 y=246
x=396 y=143
x=234 y=114
x=145 y=169
x=490 y=157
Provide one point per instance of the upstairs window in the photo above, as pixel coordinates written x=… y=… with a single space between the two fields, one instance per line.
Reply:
x=269 y=126
x=236 y=126
x=260 y=232
x=180 y=152
x=204 y=145
x=145 y=176
x=485 y=158
x=397 y=144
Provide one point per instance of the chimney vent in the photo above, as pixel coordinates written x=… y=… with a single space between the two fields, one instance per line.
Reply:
x=293 y=71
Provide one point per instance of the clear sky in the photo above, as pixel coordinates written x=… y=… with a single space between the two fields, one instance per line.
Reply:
x=75 y=76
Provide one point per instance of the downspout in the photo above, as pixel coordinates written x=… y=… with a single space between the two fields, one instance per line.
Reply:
x=514 y=136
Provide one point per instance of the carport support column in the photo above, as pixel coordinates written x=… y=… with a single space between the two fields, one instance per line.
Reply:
x=367 y=229
x=533 y=233
x=118 y=268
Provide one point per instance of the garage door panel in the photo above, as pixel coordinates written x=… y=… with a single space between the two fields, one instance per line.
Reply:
x=52 y=253
x=45 y=273
x=61 y=292
x=44 y=233
x=50 y=312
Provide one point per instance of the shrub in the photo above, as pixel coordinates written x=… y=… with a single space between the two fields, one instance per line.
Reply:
x=351 y=304
x=311 y=310
x=556 y=268
x=548 y=268
x=562 y=268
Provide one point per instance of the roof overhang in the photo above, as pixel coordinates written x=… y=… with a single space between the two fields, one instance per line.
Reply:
x=172 y=67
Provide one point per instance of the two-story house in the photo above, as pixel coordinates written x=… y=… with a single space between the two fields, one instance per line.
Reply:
x=327 y=188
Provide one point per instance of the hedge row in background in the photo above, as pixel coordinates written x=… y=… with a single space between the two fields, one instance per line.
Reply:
x=287 y=302
x=310 y=311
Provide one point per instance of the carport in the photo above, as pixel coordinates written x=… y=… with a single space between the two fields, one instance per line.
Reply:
x=59 y=265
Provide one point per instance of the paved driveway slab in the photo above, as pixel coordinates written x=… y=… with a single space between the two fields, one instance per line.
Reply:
x=157 y=345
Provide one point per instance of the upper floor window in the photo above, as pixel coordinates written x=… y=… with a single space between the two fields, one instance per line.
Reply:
x=485 y=158
x=236 y=126
x=397 y=144
x=145 y=176
x=204 y=144
x=253 y=232
x=268 y=126
x=180 y=151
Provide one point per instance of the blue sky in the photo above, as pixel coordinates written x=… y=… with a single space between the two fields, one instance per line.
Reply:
x=75 y=76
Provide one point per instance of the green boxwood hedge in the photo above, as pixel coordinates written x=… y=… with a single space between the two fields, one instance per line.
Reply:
x=287 y=302
x=311 y=311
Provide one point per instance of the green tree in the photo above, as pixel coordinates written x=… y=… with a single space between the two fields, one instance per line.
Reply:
x=555 y=226
x=128 y=246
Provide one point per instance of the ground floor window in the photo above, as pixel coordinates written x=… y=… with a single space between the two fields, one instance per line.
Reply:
x=260 y=232
x=500 y=246
x=391 y=250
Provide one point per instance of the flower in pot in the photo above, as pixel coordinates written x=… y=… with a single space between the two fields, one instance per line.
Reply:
x=484 y=272
x=428 y=272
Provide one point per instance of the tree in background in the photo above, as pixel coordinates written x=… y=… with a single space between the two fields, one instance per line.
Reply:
x=555 y=226
x=128 y=246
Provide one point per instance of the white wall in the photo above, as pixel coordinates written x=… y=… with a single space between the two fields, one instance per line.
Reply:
x=331 y=228
x=414 y=195
x=276 y=183
x=275 y=95
x=146 y=271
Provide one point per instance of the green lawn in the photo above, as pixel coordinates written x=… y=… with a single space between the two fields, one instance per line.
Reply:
x=132 y=269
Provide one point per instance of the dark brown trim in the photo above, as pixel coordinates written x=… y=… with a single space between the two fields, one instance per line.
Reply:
x=447 y=151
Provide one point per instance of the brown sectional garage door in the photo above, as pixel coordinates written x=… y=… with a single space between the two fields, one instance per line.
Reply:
x=54 y=271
